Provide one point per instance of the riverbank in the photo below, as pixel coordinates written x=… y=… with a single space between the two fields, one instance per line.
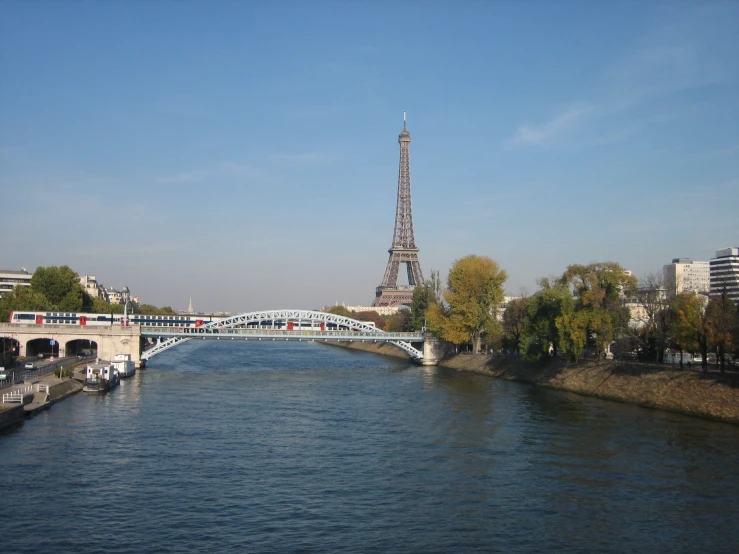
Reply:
x=59 y=389
x=676 y=390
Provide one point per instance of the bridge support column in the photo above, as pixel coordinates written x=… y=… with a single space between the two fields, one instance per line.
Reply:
x=434 y=349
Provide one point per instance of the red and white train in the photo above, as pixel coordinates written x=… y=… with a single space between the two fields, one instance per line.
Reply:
x=100 y=320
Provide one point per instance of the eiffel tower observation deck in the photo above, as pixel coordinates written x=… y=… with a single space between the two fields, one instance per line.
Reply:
x=403 y=250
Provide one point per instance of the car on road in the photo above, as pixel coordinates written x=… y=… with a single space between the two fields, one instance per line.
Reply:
x=3 y=375
x=29 y=365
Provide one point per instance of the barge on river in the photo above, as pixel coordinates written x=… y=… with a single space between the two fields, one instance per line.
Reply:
x=101 y=377
x=124 y=365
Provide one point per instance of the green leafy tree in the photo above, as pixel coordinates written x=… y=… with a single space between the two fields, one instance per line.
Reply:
x=424 y=296
x=572 y=328
x=597 y=288
x=542 y=310
x=61 y=288
x=100 y=306
x=21 y=299
x=514 y=323
x=474 y=292
x=690 y=327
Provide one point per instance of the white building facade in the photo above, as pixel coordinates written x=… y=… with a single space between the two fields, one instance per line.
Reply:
x=92 y=287
x=686 y=275
x=9 y=279
x=725 y=273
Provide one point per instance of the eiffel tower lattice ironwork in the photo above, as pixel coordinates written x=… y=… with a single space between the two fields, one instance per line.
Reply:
x=403 y=250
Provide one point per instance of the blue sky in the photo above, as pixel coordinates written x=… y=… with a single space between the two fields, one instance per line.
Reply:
x=245 y=154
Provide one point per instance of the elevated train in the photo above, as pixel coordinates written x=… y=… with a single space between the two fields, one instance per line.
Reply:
x=150 y=320
x=100 y=320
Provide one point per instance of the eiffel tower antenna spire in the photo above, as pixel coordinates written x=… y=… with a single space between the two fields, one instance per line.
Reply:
x=403 y=249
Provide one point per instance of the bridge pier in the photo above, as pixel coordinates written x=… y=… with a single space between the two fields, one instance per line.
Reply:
x=434 y=349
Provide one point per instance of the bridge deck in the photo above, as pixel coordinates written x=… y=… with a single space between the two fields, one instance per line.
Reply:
x=246 y=333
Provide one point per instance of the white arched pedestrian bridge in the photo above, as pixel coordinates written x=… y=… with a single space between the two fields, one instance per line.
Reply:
x=280 y=325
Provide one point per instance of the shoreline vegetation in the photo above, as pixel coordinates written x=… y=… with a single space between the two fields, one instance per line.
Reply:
x=683 y=391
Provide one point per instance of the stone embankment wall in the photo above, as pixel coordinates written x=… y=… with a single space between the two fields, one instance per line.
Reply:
x=673 y=389
x=64 y=389
x=12 y=415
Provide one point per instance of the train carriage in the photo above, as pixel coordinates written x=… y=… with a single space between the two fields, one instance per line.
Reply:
x=98 y=320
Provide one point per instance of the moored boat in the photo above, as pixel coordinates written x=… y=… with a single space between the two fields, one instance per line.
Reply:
x=124 y=365
x=100 y=377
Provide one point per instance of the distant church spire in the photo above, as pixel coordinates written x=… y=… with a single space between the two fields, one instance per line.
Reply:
x=189 y=308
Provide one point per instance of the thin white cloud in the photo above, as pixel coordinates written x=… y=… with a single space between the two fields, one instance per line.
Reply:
x=678 y=54
x=552 y=130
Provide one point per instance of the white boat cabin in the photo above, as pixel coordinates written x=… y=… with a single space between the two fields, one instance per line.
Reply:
x=124 y=365
x=99 y=371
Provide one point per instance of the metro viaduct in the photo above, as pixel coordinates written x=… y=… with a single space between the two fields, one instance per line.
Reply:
x=112 y=340
x=108 y=341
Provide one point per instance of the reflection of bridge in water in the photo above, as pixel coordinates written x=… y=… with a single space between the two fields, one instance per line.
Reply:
x=280 y=325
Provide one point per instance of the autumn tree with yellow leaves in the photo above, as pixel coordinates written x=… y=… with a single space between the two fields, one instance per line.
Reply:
x=474 y=292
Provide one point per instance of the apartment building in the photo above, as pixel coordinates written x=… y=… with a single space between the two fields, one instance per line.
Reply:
x=686 y=275
x=10 y=279
x=725 y=273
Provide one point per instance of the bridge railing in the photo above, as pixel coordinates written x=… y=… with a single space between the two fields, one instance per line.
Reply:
x=245 y=331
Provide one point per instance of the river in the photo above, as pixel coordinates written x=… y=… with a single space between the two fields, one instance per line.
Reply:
x=302 y=447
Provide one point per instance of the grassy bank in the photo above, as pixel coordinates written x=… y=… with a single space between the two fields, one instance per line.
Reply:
x=665 y=388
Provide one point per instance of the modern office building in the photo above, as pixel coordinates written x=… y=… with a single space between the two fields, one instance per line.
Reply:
x=686 y=275
x=10 y=279
x=725 y=273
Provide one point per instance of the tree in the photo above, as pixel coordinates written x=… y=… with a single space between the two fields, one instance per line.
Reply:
x=572 y=327
x=689 y=325
x=372 y=316
x=61 y=288
x=474 y=291
x=597 y=288
x=21 y=299
x=650 y=334
x=424 y=296
x=540 y=328
x=338 y=310
x=721 y=318
x=514 y=323
x=396 y=322
x=599 y=284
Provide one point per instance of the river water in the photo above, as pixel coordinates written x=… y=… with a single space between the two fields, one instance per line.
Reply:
x=301 y=447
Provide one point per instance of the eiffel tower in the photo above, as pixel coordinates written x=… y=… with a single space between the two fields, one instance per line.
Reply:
x=403 y=250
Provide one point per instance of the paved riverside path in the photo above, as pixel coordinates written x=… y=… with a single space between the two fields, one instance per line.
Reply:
x=42 y=400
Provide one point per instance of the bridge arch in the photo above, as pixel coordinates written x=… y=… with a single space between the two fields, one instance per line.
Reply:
x=9 y=350
x=81 y=347
x=42 y=347
x=307 y=322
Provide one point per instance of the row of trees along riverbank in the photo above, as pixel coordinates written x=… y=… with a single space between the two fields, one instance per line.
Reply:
x=58 y=289
x=582 y=311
